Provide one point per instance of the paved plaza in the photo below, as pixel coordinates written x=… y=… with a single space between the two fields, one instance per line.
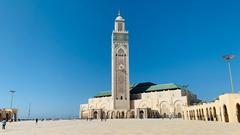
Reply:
x=122 y=127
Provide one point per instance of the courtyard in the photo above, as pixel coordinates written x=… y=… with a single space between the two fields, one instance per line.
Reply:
x=121 y=127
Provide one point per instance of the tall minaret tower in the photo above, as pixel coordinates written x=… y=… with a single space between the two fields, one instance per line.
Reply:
x=120 y=65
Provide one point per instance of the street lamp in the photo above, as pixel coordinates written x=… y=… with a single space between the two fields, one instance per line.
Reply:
x=12 y=92
x=228 y=58
x=29 y=111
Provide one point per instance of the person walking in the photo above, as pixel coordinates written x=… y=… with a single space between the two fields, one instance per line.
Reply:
x=4 y=122
x=36 y=121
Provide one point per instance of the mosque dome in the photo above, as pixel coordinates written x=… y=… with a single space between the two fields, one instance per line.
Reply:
x=119 y=17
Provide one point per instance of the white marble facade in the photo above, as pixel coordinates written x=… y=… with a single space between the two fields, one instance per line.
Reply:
x=154 y=104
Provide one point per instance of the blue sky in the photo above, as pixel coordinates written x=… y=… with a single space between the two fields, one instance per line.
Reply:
x=57 y=53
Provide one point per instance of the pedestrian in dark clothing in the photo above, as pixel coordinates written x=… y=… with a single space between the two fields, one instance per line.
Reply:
x=36 y=121
x=4 y=122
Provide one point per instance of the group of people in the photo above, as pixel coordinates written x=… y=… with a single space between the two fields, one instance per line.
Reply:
x=102 y=119
x=4 y=123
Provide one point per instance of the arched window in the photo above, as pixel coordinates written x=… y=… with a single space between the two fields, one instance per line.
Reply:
x=121 y=52
x=120 y=26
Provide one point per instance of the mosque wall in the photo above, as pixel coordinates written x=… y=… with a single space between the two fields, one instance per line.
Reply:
x=159 y=104
x=224 y=109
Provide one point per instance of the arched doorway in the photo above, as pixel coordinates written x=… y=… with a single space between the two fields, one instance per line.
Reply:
x=132 y=114
x=164 y=115
x=189 y=115
x=141 y=114
x=197 y=115
x=157 y=114
x=238 y=112
x=225 y=113
x=113 y=115
x=207 y=113
x=194 y=116
x=210 y=114
x=203 y=116
x=128 y=113
x=165 y=109
x=200 y=114
x=103 y=115
x=118 y=115
x=109 y=115
x=178 y=109
x=215 y=114
x=179 y=115
x=122 y=115
x=95 y=115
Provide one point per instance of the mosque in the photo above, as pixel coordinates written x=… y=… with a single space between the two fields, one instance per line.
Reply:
x=150 y=100
x=142 y=100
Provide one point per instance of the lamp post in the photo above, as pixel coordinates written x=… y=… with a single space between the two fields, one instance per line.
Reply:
x=29 y=111
x=12 y=93
x=228 y=59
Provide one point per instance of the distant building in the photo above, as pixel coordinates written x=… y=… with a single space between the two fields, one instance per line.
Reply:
x=8 y=114
x=143 y=100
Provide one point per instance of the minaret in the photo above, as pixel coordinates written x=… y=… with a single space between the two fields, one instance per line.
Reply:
x=120 y=66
